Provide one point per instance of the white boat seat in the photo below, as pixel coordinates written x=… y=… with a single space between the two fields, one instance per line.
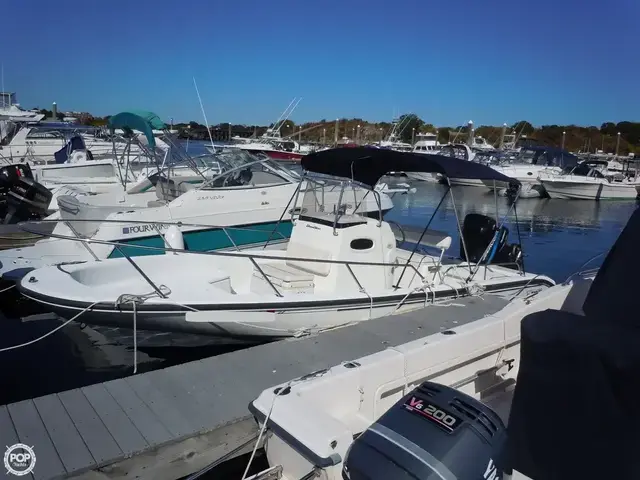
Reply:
x=436 y=239
x=286 y=276
x=439 y=240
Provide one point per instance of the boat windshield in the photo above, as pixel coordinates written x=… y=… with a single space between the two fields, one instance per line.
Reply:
x=584 y=169
x=490 y=157
x=241 y=168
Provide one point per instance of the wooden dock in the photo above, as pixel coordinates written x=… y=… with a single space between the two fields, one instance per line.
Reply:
x=172 y=422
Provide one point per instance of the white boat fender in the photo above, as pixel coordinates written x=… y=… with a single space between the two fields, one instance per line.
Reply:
x=173 y=239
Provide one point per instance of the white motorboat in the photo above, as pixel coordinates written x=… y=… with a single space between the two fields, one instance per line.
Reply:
x=590 y=180
x=455 y=150
x=40 y=142
x=426 y=144
x=531 y=162
x=337 y=267
x=474 y=401
x=463 y=152
x=312 y=422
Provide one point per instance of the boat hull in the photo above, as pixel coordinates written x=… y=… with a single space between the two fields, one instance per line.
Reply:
x=589 y=191
x=277 y=319
x=423 y=176
x=467 y=182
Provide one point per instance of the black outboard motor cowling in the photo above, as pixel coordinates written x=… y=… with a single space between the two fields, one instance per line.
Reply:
x=24 y=198
x=435 y=432
x=9 y=175
x=479 y=231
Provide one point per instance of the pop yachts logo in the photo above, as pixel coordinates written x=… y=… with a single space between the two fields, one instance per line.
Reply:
x=19 y=459
x=144 y=228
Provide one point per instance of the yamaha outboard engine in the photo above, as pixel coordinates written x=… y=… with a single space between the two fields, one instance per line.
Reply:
x=479 y=233
x=435 y=432
x=24 y=198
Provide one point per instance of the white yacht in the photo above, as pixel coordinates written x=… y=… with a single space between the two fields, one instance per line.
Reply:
x=481 y=143
x=590 y=180
x=426 y=143
x=39 y=143
x=393 y=140
x=527 y=167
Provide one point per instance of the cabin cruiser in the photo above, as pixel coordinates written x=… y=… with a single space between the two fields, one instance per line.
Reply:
x=126 y=179
x=426 y=143
x=590 y=180
x=474 y=401
x=70 y=159
x=337 y=266
x=531 y=162
x=39 y=143
x=480 y=143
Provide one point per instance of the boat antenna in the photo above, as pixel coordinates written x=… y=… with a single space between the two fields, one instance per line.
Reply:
x=204 y=114
x=3 y=95
x=288 y=114
x=284 y=115
x=275 y=125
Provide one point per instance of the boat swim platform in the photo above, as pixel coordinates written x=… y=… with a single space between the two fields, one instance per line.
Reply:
x=172 y=422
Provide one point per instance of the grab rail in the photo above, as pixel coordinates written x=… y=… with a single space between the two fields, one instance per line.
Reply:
x=239 y=253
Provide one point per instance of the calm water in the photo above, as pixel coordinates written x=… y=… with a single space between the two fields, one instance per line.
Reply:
x=557 y=238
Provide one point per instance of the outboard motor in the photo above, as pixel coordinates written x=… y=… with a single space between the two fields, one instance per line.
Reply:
x=433 y=432
x=479 y=232
x=24 y=198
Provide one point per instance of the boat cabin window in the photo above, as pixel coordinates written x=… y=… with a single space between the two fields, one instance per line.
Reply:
x=44 y=134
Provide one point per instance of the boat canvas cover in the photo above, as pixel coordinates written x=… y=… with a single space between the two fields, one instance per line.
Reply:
x=142 y=121
x=552 y=156
x=366 y=165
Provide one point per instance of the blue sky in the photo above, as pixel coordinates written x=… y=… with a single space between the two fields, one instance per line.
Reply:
x=495 y=61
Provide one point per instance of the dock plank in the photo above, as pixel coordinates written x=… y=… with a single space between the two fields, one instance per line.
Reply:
x=97 y=438
x=158 y=393
x=32 y=431
x=115 y=419
x=8 y=435
x=148 y=423
x=197 y=385
x=65 y=437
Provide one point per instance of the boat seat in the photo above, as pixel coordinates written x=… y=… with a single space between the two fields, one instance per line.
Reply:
x=286 y=276
x=437 y=239
x=579 y=378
